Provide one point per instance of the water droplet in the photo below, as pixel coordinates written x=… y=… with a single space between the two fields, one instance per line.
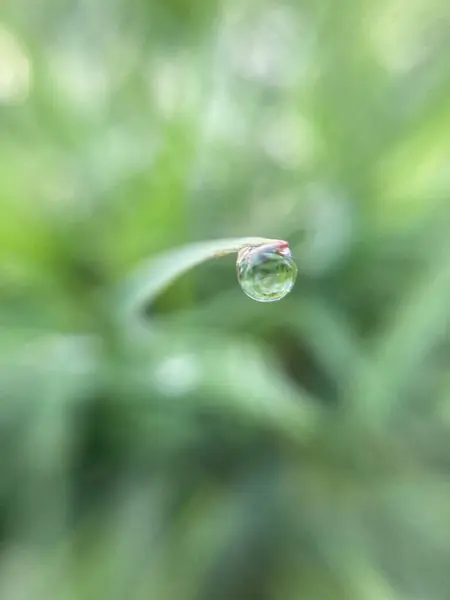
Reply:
x=266 y=273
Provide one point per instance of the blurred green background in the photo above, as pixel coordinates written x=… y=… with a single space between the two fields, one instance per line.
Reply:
x=225 y=448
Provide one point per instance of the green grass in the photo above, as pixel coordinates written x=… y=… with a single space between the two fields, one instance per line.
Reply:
x=218 y=447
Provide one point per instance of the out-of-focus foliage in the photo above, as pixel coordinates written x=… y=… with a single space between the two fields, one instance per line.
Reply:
x=225 y=448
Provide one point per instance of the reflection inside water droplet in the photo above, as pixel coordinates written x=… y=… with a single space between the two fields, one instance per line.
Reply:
x=266 y=273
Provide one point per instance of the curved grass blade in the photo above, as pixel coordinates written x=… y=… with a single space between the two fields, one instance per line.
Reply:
x=153 y=276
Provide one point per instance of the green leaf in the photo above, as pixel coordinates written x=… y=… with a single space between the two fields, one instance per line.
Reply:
x=153 y=276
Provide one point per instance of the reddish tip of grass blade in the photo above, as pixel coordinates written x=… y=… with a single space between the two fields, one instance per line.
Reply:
x=282 y=248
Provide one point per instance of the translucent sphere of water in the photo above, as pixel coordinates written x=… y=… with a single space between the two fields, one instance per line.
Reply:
x=266 y=273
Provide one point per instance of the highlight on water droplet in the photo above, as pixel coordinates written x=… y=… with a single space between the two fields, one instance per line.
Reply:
x=266 y=273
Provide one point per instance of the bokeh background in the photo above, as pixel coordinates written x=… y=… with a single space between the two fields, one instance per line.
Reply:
x=225 y=448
